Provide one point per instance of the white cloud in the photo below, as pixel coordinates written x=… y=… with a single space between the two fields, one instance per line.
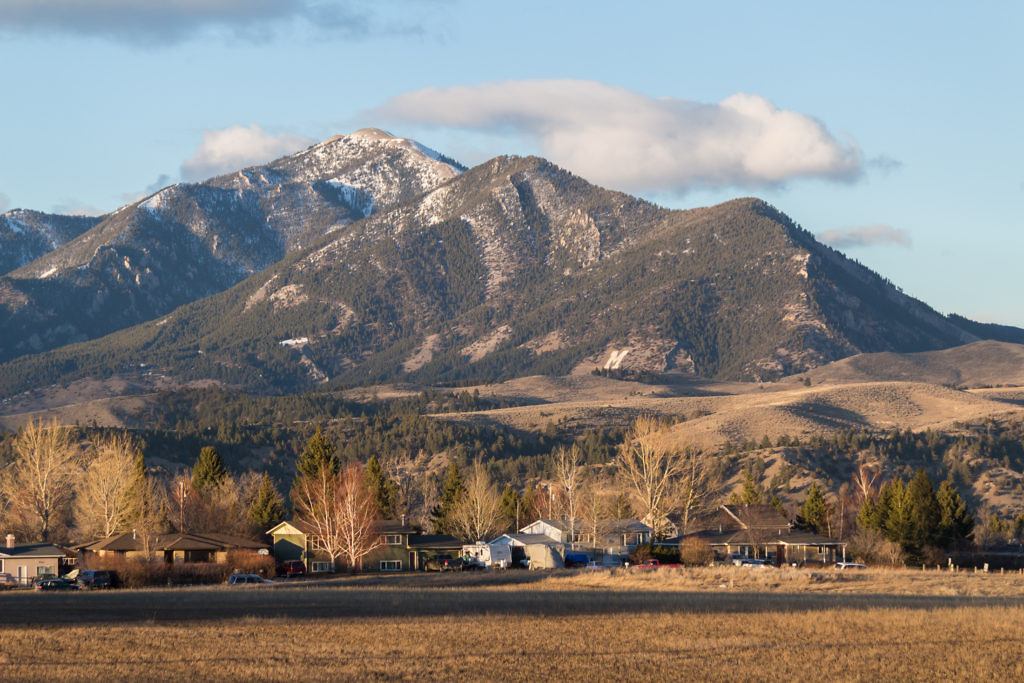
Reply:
x=865 y=236
x=165 y=21
x=230 y=149
x=633 y=142
x=162 y=181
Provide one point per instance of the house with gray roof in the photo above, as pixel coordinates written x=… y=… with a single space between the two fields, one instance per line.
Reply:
x=29 y=561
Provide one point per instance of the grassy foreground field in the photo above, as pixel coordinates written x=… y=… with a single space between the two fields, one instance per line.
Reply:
x=718 y=624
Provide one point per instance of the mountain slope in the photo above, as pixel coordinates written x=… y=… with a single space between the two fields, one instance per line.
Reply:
x=192 y=240
x=517 y=267
x=27 y=235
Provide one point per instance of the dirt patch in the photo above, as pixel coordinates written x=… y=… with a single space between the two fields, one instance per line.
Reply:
x=485 y=345
x=423 y=354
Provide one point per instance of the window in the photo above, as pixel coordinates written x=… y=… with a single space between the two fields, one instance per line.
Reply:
x=391 y=565
x=392 y=539
x=45 y=571
x=321 y=567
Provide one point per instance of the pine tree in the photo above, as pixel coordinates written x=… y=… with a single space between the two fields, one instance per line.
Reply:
x=956 y=523
x=814 y=512
x=511 y=509
x=318 y=452
x=383 y=489
x=899 y=524
x=925 y=513
x=267 y=507
x=752 y=493
x=451 y=493
x=209 y=471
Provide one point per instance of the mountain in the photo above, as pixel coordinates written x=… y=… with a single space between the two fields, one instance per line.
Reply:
x=517 y=267
x=26 y=235
x=189 y=241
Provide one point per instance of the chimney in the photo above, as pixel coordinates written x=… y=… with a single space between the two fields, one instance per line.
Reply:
x=403 y=521
x=10 y=541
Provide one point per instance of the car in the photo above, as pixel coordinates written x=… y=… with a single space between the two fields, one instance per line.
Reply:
x=751 y=562
x=842 y=566
x=290 y=568
x=56 y=584
x=8 y=581
x=95 y=578
x=247 y=580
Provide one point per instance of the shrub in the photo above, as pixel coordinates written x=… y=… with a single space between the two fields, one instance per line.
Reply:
x=695 y=551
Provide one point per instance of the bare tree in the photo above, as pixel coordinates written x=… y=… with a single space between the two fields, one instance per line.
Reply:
x=568 y=475
x=341 y=511
x=867 y=482
x=650 y=471
x=357 y=516
x=478 y=514
x=699 y=485
x=40 y=482
x=104 y=496
x=597 y=507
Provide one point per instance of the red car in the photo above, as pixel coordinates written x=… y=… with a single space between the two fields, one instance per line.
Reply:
x=291 y=568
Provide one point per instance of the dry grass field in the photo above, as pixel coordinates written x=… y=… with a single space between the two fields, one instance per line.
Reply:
x=709 y=623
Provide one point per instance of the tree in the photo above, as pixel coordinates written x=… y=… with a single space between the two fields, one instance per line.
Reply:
x=41 y=480
x=752 y=493
x=511 y=508
x=341 y=511
x=925 y=514
x=650 y=472
x=267 y=507
x=956 y=523
x=104 y=499
x=452 y=491
x=318 y=453
x=814 y=512
x=698 y=484
x=383 y=489
x=567 y=470
x=478 y=513
x=209 y=471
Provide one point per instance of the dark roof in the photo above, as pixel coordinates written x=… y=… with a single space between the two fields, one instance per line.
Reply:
x=396 y=526
x=434 y=542
x=605 y=525
x=212 y=542
x=33 y=550
x=765 y=537
x=756 y=516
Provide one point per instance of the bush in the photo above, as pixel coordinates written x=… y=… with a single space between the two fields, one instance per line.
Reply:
x=695 y=551
x=134 y=573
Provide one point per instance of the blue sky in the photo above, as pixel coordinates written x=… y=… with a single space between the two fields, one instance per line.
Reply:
x=893 y=132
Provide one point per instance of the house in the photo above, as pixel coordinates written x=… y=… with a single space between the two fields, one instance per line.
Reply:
x=29 y=561
x=402 y=547
x=540 y=550
x=760 y=531
x=607 y=538
x=172 y=548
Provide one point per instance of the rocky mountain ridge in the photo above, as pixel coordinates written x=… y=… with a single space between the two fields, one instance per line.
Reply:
x=189 y=241
x=517 y=267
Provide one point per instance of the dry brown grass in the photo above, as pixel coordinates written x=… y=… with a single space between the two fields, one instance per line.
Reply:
x=622 y=625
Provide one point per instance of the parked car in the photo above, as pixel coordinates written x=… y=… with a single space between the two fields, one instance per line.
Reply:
x=290 y=568
x=95 y=578
x=841 y=566
x=8 y=581
x=751 y=562
x=56 y=584
x=444 y=563
x=576 y=560
x=247 y=580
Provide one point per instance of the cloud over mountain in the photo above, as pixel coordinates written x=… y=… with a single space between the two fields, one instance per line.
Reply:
x=638 y=143
x=235 y=147
x=865 y=236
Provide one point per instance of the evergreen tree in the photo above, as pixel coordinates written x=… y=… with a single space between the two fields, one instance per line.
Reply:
x=899 y=523
x=267 y=507
x=511 y=507
x=209 y=471
x=383 y=489
x=925 y=513
x=814 y=512
x=451 y=494
x=752 y=493
x=956 y=523
x=318 y=452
